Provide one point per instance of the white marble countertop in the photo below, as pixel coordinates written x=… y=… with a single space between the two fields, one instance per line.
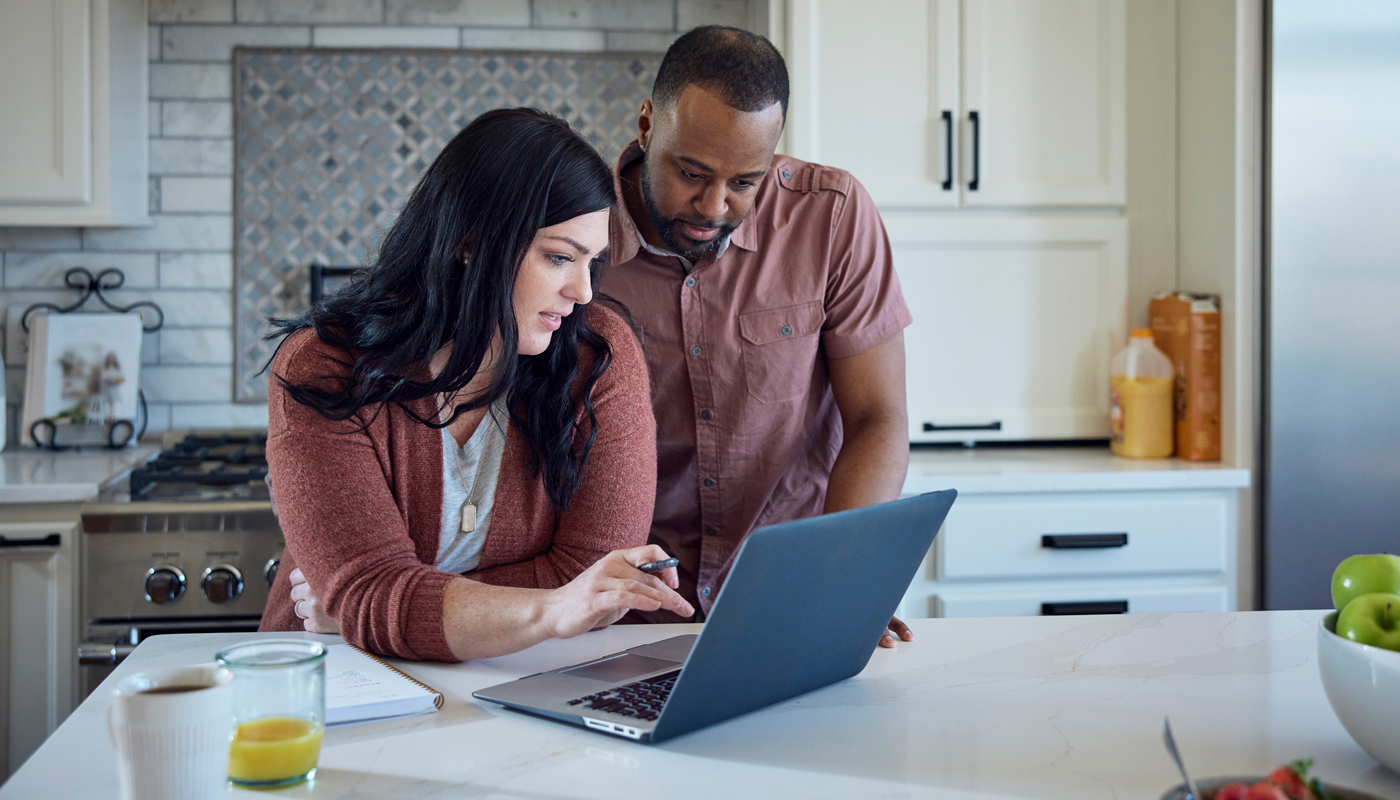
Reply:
x=1047 y=707
x=29 y=475
x=997 y=470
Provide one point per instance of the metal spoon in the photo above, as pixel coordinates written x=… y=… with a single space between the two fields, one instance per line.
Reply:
x=1192 y=792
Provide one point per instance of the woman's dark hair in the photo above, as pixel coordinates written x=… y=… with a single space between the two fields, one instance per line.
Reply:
x=501 y=178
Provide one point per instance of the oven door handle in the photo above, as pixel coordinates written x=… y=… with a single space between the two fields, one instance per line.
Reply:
x=52 y=540
x=92 y=655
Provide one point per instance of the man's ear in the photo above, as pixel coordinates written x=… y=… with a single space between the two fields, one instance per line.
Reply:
x=644 y=125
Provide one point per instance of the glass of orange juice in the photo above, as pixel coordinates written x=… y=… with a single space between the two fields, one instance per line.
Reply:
x=279 y=702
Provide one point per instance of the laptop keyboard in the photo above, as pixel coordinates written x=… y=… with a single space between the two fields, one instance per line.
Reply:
x=641 y=700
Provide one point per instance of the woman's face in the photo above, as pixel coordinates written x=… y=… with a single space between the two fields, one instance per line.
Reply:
x=554 y=278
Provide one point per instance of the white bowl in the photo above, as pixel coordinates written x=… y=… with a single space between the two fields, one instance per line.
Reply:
x=1363 y=685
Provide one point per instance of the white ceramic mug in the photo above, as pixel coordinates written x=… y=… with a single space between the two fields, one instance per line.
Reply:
x=173 y=741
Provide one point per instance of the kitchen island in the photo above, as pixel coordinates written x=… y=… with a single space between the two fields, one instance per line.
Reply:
x=1049 y=707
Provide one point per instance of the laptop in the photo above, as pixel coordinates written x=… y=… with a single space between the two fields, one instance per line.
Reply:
x=803 y=607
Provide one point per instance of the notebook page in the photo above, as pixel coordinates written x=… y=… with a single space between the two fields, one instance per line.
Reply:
x=360 y=687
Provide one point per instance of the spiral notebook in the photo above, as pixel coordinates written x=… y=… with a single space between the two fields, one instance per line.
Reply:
x=360 y=687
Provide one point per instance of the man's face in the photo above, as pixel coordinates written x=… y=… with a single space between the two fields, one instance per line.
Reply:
x=703 y=166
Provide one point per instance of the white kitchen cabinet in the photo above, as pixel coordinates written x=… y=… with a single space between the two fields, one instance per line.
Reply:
x=940 y=103
x=1015 y=320
x=73 y=133
x=38 y=570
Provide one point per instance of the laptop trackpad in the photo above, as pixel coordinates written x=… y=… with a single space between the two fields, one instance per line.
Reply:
x=627 y=665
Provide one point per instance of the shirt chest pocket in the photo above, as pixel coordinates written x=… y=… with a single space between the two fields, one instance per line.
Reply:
x=780 y=350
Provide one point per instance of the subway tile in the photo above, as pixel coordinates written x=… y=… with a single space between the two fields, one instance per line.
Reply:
x=205 y=232
x=173 y=384
x=186 y=308
x=191 y=11
x=190 y=416
x=153 y=195
x=191 y=81
x=319 y=11
x=196 y=346
x=153 y=121
x=191 y=156
x=351 y=36
x=212 y=118
x=196 y=270
x=25 y=270
x=157 y=417
x=216 y=42
x=694 y=13
x=531 y=39
x=478 y=13
x=183 y=195
x=150 y=348
x=153 y=43
x=629 y=14
x=640 y=41
x=40 y=238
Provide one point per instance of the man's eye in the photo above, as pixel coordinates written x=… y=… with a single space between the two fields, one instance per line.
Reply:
x=691 y=175
x=743 y=184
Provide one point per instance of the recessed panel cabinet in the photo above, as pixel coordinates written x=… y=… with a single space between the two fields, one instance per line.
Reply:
x=940 y=103
x=73 y=132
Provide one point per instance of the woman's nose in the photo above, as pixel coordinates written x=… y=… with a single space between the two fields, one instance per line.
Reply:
x=580 y=286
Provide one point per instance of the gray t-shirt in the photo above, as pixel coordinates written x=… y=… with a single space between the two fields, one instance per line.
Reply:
x=474 y=467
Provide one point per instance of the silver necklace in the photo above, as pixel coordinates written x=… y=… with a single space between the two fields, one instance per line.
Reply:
x=468 y=510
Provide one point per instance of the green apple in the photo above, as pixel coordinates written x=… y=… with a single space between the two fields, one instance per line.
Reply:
x=1360 y=575
x=1372 y=619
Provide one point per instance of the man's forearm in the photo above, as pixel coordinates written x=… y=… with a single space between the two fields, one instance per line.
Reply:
x=871 y=466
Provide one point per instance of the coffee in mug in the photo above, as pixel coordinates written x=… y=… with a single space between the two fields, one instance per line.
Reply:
x=171 y=729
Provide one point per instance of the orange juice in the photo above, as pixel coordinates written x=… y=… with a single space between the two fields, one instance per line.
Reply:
x=1140 y=416
x=274 y=749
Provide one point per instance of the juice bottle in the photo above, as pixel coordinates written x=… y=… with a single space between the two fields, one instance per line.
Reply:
x=1140 y=397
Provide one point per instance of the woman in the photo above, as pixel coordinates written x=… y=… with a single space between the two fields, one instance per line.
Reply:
x=463 y=409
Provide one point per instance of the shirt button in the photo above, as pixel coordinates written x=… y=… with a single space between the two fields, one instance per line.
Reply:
x=705 y=592
x=706 y=414
x=709 y=481
x=712 y=531
x=787 y=175
x=787 y=330
x=689 y=281
x=695 y=351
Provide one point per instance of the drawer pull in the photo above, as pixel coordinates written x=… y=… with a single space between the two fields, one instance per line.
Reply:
x=52 y=540
x=929 y=427
x=1083 y=541
x=1076 y=609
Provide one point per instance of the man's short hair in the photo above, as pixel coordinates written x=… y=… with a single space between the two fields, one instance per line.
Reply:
x=744 y=69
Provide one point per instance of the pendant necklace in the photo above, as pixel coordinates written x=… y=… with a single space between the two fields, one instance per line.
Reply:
x=468 y=508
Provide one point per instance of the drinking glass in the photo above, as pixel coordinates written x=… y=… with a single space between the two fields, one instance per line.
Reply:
x=279 y=703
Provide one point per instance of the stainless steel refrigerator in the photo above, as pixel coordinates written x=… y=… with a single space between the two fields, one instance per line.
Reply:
x=1332 y=283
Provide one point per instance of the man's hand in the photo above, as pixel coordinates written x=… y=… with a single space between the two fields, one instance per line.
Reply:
x=897 y=630
x=305 y=605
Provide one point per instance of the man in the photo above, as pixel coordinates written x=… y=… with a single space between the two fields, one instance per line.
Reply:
x=764 y=295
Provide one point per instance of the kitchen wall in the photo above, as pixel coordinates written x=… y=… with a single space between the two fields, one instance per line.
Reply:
x=184 y=261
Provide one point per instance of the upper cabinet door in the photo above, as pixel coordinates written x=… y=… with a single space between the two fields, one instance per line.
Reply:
x=45 y=131
x=1044 y=96
x=875 y=92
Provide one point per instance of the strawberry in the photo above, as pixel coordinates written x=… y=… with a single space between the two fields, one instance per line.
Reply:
x=1291 y=782
x=1232 y=791
x=1263 y=790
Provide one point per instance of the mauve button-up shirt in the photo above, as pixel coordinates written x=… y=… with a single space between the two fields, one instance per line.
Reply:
x=737 y=345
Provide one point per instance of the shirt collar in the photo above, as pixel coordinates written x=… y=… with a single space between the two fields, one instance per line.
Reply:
x=627 y=240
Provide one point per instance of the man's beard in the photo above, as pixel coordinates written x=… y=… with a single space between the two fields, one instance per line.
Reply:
x=666 y=228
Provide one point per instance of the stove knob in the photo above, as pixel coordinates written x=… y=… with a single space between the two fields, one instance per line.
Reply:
x=222 y=583
x=164 y=584
x=270 y=568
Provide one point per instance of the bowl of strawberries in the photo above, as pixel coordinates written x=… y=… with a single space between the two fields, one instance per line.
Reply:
x=1289 y=782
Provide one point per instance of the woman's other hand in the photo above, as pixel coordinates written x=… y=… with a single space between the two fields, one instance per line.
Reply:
x=306 y=606
x=610 y=588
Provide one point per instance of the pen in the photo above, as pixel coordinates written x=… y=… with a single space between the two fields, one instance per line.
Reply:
x=657 y=566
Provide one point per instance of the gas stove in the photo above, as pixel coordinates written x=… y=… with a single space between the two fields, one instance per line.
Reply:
x=190 y=545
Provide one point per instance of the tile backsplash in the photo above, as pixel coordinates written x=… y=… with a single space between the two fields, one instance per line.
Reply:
x=184 y=261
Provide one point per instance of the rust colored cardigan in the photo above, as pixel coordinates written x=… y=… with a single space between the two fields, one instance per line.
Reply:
x=361 y=510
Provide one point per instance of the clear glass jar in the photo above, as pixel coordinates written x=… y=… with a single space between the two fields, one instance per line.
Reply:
x=279 y=703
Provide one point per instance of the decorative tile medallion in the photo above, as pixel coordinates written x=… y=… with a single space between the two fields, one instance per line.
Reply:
x=330 y=142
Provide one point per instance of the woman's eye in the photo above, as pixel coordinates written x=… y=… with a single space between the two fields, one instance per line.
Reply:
x=559 y=261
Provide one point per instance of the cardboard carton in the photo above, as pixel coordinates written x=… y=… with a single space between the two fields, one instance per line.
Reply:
x=1186 y=327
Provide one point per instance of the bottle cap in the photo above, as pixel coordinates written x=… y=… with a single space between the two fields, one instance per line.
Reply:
x=1142 y=333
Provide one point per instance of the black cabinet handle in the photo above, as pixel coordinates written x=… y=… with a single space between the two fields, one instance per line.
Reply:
x=976 y=146
x=948 y=150
x=1083 y=541
x=1077 y=609
x=929 y=427
x=52 y=540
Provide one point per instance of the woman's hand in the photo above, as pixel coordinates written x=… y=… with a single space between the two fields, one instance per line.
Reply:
x=604 y=592
x=306 y=606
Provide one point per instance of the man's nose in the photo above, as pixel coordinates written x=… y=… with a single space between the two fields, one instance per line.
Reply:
x=712 y=203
